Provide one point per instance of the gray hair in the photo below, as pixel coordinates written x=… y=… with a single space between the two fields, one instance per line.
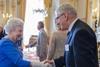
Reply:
x=67 y=8
x=12 y=23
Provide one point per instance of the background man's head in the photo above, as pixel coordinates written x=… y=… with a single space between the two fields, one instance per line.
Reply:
x=40 y=25
x=65 y=15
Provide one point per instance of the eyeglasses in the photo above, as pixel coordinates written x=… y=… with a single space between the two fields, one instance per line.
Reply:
x=60 y=16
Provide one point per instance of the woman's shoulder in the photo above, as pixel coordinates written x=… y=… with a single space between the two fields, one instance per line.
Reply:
x=55 y=32
x=59 y=32
x=5 y=42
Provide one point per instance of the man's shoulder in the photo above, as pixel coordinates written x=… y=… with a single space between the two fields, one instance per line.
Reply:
x=42 y=32
x=80 y=25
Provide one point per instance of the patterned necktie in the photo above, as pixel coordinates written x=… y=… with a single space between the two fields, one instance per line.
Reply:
x=68 y=37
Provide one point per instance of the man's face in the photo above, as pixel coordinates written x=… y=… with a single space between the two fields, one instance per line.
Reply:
x=18 y=33
x=32 y=39
x=58 y=25
x=62 y=19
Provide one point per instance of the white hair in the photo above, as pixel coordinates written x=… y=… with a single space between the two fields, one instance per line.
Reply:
x=12 y=24
x=67 y=8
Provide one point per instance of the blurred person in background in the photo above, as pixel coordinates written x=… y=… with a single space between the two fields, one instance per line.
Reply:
x=32 y=41
x=42 y=42
x=56 y=46
x=2 y=34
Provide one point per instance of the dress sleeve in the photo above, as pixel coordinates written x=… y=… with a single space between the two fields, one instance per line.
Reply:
x=14 y=55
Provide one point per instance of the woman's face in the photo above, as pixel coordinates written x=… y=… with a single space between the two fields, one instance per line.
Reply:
x=17 y=33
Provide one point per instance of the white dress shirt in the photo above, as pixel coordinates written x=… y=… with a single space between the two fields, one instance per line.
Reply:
x=72 y=24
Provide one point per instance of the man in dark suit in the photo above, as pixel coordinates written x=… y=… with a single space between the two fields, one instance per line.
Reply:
x=81 y=44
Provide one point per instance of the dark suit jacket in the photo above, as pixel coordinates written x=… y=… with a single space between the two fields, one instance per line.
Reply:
x=82 y=46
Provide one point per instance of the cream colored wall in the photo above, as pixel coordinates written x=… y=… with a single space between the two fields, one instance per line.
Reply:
x=82 y=9
x=55 y=5
x=21 y=9
x=72 y=2
x=93 y=15
x=2 y=21
x=16 y=11
x=48 y=4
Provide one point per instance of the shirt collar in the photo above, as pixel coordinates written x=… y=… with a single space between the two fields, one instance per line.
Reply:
x=41 y=29
x=72 y=24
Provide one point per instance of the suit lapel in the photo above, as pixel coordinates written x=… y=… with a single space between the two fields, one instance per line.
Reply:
x=70 y=33
x=69 y=37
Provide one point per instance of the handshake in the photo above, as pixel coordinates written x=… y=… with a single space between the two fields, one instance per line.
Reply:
x=48 y=61
x=45 y=63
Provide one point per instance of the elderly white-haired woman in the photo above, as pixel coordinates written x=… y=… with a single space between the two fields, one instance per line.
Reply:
x=10 y=55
